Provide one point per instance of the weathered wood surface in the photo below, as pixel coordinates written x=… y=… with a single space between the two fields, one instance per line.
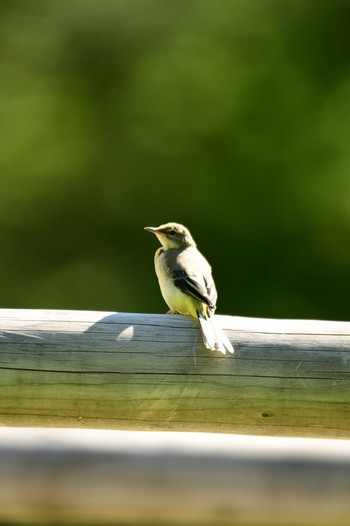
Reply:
x=62 y=476
x=150 y=372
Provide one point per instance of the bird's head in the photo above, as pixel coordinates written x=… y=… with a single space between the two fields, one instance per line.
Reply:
x=172 y=235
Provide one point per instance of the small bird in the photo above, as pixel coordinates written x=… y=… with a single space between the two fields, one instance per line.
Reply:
x=186 y=282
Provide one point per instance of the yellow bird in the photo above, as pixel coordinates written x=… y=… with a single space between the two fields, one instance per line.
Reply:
x=186 y=282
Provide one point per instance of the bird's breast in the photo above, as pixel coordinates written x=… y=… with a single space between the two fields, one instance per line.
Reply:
x=173 y=296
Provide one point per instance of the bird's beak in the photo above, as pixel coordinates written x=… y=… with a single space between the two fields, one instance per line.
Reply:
x=152 y=229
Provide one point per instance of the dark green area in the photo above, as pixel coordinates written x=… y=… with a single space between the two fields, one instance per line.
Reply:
x=232 y=117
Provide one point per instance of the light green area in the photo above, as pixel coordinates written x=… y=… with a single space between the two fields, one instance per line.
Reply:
x=291 y=407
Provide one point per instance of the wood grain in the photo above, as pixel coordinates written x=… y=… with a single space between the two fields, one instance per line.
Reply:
x=150 y=372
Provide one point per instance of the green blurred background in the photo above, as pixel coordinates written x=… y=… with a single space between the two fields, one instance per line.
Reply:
x=230 y=116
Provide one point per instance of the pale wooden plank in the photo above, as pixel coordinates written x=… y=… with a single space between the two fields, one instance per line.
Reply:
x=146 y=371
x=113 y=477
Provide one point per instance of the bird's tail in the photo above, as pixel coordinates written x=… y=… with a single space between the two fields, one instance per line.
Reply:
x=214 y=337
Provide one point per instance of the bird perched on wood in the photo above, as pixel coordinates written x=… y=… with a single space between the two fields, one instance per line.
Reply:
x=186 y=282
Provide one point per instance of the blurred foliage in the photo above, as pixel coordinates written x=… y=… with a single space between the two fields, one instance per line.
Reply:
x=232 y=117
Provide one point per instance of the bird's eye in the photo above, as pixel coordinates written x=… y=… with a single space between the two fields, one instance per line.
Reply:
x=172 y=233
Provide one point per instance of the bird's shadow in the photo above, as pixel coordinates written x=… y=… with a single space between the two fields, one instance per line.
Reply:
x=177 y=335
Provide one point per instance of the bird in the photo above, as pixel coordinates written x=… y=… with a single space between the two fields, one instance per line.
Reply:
x=186 y=282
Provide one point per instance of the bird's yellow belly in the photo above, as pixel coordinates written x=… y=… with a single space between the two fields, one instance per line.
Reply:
x=176 y=299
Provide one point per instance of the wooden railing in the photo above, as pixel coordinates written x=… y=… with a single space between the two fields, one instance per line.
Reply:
x=120 y=371
x=150 y=372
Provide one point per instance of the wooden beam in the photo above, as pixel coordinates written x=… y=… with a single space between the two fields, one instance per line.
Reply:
x=61 y=476
x=150 y=372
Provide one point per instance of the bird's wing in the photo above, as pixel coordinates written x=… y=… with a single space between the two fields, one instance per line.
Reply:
x=189 y=285
x=191 y=273
x=211 y=290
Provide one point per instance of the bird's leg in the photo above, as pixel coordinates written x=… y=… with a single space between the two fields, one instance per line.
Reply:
x=172 y=312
